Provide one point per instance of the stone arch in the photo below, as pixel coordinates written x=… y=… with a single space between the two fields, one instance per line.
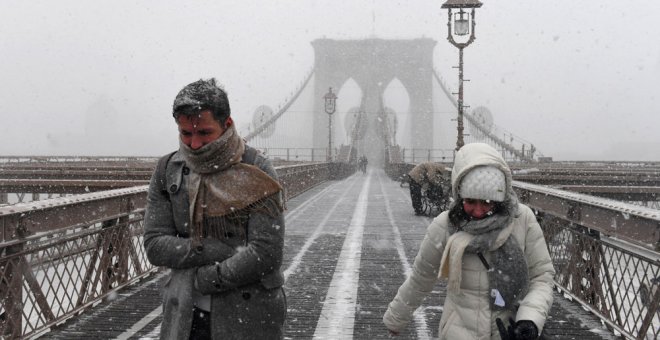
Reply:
x=374 y=63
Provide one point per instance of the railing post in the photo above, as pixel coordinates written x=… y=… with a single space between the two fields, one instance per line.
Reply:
x=11 y=287
x=126 y=248
x=287 y=154
x=656 y=244
x=108 y=250
x=122 y=264
x=428 y=156
x=12 y=300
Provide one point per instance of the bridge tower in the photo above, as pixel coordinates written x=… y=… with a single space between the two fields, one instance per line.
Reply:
x=373 y=64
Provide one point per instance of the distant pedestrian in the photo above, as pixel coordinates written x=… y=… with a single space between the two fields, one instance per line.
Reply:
x=362 y=163
x=214 y=218
x=491 y=251
x=427 y=177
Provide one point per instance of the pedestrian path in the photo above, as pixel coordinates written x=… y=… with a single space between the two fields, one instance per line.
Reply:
x=349 y=245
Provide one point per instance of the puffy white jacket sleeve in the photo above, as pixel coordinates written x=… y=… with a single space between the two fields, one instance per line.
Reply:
x=421 y=280
x=536 y=304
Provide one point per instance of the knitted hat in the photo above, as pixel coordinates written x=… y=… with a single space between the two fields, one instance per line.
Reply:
x=484 y=183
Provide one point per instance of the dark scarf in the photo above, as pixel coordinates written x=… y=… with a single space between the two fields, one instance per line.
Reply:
x=507 y=271
x=223 y=190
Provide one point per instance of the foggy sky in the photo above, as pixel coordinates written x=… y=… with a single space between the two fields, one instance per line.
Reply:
x=576 y=78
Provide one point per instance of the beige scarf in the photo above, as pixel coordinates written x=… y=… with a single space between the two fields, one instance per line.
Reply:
x=452 y=257
x=508 y=275
x=221 y=187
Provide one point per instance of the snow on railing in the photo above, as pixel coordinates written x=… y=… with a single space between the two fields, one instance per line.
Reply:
x=62 y=255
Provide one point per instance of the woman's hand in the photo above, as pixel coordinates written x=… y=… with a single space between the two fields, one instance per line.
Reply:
x=393 y=333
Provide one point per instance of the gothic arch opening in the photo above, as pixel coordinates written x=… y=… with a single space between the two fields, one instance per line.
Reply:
x=349 y=96
x=396 y=98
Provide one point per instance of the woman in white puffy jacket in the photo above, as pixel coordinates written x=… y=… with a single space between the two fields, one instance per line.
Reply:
x=491 y=251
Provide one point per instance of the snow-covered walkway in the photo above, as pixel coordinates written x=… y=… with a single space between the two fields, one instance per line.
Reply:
x=349 y=245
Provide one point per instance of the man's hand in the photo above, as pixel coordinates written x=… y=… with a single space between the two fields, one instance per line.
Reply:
x=207 y=279
x=393 y=333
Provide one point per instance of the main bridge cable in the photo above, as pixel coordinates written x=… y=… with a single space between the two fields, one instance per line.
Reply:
x=257 y=131
x=502 y=143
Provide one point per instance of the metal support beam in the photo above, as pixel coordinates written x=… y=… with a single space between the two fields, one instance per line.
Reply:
x=625 y=221
x=32 y=217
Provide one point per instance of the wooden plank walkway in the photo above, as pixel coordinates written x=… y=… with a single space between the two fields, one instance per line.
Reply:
x=321 y=225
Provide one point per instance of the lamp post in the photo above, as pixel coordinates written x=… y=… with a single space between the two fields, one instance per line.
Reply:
x=462 y=22
x=330 y=106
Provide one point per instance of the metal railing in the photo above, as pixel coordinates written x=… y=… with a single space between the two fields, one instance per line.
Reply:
x=47 y=278
x=297 y=154
x=410 y=155
x=60 y=256
x=76 y=159
x=617 y=284
x=604 y=256
x=427 y=155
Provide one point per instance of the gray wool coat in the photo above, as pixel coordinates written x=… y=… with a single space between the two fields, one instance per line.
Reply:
x=243 y=278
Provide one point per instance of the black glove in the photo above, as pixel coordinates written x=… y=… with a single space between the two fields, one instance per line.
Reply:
x=521 y=330
x=525 y=330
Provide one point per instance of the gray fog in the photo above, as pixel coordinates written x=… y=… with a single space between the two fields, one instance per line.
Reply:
x=576 y=78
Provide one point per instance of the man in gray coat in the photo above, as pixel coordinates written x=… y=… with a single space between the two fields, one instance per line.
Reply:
x=214 y=217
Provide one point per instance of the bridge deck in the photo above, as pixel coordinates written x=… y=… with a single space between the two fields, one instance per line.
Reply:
x=368 y=213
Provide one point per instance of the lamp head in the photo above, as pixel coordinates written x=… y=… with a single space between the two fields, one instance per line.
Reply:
x=463 y=13
x=330 y=102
